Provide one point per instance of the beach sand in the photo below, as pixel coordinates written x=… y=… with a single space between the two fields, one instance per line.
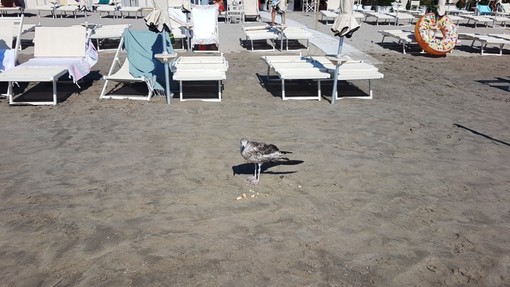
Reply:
x=408 y=189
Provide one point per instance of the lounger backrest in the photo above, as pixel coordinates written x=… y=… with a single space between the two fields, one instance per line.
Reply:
x=505 y=7
x=333 y=5
x=251 y=7
x=205 y=24
x=6 y=33
x=60 y=42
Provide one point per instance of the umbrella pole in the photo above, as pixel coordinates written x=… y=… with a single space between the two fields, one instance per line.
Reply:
x=337 y=69
x=167 y=73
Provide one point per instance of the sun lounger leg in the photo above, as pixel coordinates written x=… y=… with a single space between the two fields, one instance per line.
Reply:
x=283 y=89
x=369 y=89
x=102 y=96
x=219 y=90
x=180 y=90
x=54 y=92
x=9 y=93
x=319 y=89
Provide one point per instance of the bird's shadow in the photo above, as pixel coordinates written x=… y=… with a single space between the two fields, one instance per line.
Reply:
x=249 y=168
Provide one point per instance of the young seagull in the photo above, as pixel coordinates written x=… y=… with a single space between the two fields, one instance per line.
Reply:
x=259 y=153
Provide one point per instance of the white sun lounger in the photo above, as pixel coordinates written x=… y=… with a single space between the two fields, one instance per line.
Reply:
x=4 y=11
x=352 y=70
x=296 y=68
x=57 y=51
x=200 y=69
x=403 y=37
x=478 y=19
x=331 y=9
x=251 y=10
x=296 y=33
x=108 y=32
x=378 y=17
x=401 y=17
x=261 y=33
x=485 y=40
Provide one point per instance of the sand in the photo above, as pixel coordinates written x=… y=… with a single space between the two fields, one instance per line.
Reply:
x=408 y=189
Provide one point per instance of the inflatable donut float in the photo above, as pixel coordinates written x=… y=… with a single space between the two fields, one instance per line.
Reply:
x=426 y=30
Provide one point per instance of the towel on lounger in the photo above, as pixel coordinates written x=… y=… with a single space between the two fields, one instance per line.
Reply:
x=141 y=46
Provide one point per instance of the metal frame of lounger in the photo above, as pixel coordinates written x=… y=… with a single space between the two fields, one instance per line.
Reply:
x=296 y=68
x=199 y=69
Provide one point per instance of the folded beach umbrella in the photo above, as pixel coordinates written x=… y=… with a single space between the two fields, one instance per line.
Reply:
x=159 y=21
x=345 y=25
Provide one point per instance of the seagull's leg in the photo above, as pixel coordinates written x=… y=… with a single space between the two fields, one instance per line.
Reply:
x=254 y=177
x=255 y=180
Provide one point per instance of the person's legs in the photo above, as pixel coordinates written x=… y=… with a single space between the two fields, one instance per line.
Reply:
x=273 y=15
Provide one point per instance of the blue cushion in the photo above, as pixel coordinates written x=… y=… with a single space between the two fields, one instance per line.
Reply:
x=103 y=2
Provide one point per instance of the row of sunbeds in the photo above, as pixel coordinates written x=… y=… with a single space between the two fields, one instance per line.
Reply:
x=407 y=37
x=68 y=50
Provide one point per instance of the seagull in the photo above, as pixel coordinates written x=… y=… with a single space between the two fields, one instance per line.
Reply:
x=260 y=153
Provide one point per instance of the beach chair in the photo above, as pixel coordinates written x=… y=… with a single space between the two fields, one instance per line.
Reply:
x=200 y=69
x=108 y=32
x=10 y=41
x=401 y=16
x=234 y=12
x=331 y=11
x=138 y=66
x=296 y=68
x=205 y=27
x=264 y=33
x=251 y=10
x=350 y=70
x=484 y=41
x=179 y=26
x=46 y=6
x=296 y=34
x=477 y=19
x=402 y=37
x=68 y=7
x=126 y=9
x=378 y=17
x=6 y=10
x=57 y=51
x=108 y=7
